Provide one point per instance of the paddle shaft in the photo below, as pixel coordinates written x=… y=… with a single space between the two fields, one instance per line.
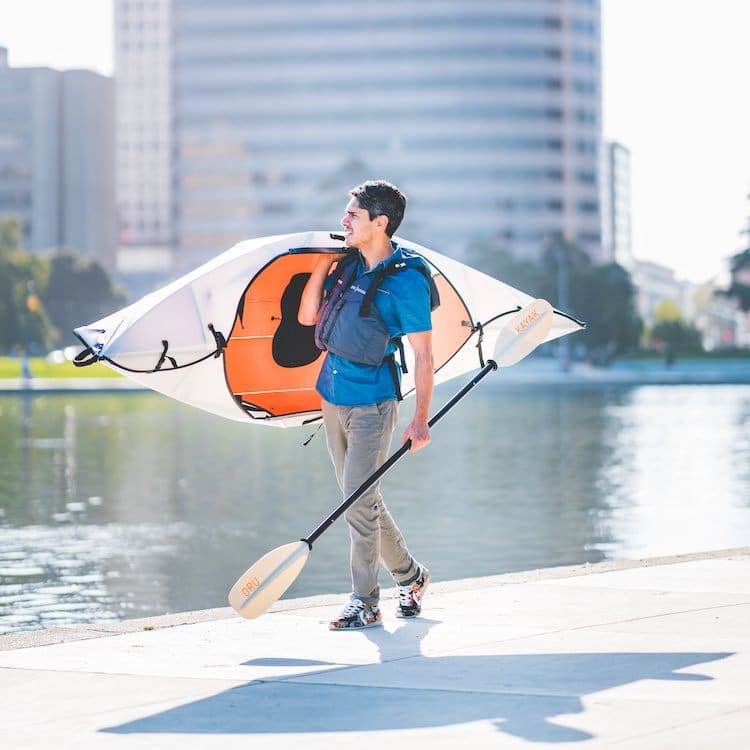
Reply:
x=400 y=453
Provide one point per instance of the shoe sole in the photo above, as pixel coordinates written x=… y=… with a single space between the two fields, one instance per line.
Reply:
x=376 y=624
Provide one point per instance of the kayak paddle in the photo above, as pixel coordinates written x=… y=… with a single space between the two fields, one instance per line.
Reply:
x=264 y=582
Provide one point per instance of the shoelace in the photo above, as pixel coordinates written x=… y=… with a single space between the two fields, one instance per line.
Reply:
x=406 y=595
x=352 y=608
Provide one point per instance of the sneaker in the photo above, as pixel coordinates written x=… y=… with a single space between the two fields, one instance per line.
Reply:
x=357 y=614
x=410 y=595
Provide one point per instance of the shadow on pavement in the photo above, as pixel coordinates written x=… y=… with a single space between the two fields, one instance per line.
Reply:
x=520 y=693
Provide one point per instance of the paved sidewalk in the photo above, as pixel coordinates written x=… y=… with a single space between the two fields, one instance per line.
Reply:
x=648 y=655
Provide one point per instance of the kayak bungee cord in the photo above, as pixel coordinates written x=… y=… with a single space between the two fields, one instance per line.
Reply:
x=88 y=356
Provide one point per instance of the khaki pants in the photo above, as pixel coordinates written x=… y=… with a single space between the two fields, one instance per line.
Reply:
x=359 y=438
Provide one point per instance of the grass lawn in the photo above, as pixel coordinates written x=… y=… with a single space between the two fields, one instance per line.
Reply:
x=10 y=367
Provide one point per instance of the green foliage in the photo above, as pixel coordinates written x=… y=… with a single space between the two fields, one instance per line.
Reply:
x=676 y=337
x=671 y=334
x=601 y=295
x=24 y=323
x=78 y=292
x=494 y=260
x=668 y=312
x=42 y=299
x=740 y=273
x=608 y=301
x=40 y=367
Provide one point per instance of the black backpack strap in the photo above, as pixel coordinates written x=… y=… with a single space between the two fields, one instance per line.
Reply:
x=344 y=265
x=366 y=306
x=396 y=267
x=401 y=354
x=391 y=360
x=434 y=293
x=420 y=264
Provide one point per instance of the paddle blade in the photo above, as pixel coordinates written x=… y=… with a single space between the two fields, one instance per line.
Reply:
x=264 y=582
x=523 y=333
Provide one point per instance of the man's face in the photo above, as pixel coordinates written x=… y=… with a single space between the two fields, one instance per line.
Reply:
x=358 y=229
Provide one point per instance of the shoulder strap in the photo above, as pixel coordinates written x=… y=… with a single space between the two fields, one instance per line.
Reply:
x=397 y=266
x=388 y=270
x=345 y=265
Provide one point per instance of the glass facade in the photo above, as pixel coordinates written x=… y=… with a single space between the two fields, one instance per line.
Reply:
x=56 y=165
x=616 y=205
x=486 y=114
x=29 y=153
x=143 y=138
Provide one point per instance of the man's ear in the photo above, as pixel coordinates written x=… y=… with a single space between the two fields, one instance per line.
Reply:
x=381 y=222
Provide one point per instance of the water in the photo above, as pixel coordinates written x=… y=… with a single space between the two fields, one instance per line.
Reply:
x=122 y=506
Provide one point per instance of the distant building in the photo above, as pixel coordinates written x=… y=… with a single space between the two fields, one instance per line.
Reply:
x=144 y=165
x=88 y=217
x=719 y=319
x=656 y=284
x=617 y=205
x=244 y=119
x=30 y=153
x=57 y=158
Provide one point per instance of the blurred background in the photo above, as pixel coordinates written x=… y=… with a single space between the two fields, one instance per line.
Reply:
x=593 y=153
x=138 y=138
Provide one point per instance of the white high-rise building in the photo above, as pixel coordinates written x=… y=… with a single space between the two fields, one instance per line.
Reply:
x=616 y=205
x=56 y=158
x=487 y=114
x=143 y=115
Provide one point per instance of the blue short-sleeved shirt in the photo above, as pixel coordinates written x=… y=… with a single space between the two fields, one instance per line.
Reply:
x=403 y=301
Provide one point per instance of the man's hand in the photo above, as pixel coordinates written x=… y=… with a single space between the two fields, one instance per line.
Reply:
x=419 y=434
x=312 y=294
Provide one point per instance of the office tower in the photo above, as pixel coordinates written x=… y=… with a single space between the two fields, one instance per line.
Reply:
x=142 y=56
x=486 y=114
x=88 y=220
x=56 y=158
x=30 y=153
x=616 y=205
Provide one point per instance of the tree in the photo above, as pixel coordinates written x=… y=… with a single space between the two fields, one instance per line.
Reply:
x=43 y=298
x=671 y=334
x=490 y=257
x=739 y=268
x=606 y=301
x=739 y=288
x=601 y=295
x=24 y=323
x=78 y=292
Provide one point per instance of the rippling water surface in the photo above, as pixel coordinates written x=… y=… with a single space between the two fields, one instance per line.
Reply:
x=121 y=506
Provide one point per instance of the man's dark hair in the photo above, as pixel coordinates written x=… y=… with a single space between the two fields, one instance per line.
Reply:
x=380 y=198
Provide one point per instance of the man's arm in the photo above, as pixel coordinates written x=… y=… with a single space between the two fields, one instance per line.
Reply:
x=418 y=430
x=312 y=294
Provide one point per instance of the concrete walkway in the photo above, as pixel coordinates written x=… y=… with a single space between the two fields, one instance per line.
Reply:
x=648 y=655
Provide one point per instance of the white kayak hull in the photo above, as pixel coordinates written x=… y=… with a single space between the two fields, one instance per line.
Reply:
x=225 y=338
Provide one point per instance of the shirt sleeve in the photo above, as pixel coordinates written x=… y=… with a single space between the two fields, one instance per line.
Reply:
x=413 y=308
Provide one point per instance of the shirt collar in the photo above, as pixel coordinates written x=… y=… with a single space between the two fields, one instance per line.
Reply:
x=397 y=254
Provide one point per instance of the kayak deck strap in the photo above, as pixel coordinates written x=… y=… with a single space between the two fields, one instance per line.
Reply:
x=88 y=356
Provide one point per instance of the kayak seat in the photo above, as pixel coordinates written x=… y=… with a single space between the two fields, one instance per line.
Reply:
x=294 y=344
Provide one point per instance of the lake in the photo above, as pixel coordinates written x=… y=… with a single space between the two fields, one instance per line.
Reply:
x=117 y=506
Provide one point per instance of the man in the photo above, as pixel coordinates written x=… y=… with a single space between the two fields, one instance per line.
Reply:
x=359 y=384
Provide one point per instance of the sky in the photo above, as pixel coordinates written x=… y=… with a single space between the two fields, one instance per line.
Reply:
x=675 y=92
